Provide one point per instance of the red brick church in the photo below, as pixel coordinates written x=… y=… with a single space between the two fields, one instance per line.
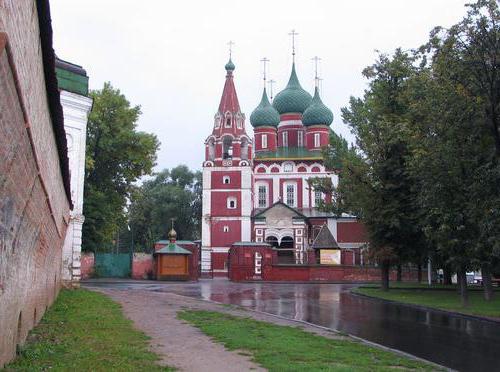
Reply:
x=256 y=192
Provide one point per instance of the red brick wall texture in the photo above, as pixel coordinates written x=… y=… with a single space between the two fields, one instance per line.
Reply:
x=34 y=210
x=241 y=263
x=87 y=265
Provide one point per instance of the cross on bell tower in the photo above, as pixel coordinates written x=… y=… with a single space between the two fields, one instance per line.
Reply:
x=230 y=44
x=227 y=175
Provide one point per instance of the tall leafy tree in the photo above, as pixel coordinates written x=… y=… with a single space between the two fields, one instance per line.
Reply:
x=444 y=148
x=171 y=194
x=117 y=155
x=375 y=182
x=462 y=111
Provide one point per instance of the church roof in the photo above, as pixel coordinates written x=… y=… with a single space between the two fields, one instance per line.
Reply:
x=229 y=65
x=293 y=98
x=317 y=112
x=324 y=239
x=177 y=241
x=258 y=213
x=229 y=100
x=264 y=114
x=172 y=248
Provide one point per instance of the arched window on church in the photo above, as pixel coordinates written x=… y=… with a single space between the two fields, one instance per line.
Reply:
x=262 y=196
x=231 y=203
x=211 y=149
x=318 y=197
x=227 y=147
x=244 y=149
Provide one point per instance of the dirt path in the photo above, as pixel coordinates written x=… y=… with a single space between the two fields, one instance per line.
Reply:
x=180 y=344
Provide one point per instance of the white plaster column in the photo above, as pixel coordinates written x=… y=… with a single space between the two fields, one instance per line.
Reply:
x=206 y=250
x=76 y=109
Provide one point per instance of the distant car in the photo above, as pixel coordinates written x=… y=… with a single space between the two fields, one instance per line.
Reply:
x=470 y=277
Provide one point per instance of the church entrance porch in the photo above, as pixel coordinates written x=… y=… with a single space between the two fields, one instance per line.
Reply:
x=285 y=250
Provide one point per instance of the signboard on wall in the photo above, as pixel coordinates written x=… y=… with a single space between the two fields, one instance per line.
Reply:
x=329 y=256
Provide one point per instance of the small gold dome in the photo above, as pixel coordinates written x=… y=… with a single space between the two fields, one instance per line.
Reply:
x=172 y=235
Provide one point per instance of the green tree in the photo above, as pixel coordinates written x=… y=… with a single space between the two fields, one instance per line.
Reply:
x=174 y=193
x=117 y=155
x=443 y=160
x=459 y=120
x=375 y=182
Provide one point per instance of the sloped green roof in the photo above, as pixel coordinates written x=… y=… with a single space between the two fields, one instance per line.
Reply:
x=172 y=248
x=177 y=241
x=293 y=98
x=264 y=114
x=317 y=112
x=289 y=153
x=71 y=77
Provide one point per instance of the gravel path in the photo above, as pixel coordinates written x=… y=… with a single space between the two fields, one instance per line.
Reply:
x=181 y=345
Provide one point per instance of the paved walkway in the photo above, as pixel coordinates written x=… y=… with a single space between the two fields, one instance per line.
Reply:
x=458 y=342
x=180 y=344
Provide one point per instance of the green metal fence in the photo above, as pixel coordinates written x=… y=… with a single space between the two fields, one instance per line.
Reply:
x=113 y=265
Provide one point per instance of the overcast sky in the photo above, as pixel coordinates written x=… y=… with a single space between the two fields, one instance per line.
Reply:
x=169 y=56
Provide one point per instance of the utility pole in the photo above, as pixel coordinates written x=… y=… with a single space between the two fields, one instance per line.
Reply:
x=429 y=271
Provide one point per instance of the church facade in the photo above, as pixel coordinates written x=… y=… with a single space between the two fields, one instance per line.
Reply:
x=256 y=191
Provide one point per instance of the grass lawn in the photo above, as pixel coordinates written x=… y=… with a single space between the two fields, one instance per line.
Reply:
x=280 y=348
x=85 y=331
x=439 y=299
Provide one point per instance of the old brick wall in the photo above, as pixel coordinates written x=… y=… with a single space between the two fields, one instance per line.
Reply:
x=142 y=266
x=34 y=209
x=242 y=268
x=87 y=265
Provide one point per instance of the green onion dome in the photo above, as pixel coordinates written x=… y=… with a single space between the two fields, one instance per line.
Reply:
x=264 y=114
x=317 y=112
x=229 y=66
x=293 y=98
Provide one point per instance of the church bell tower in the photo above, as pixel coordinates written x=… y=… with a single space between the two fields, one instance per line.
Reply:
x=227 y=182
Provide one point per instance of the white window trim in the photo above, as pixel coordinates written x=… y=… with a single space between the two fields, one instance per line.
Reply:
x=264 y=141
x=300 y=139
x=266 y=187
x=229 y=200
x=315 y=199
x=285 y=193
x=285 y=138
x=226 y=229
x=287 y=167
x=317 y=140
x=224 y=178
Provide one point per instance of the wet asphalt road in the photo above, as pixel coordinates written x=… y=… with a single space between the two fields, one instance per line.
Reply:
x=456 y=342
